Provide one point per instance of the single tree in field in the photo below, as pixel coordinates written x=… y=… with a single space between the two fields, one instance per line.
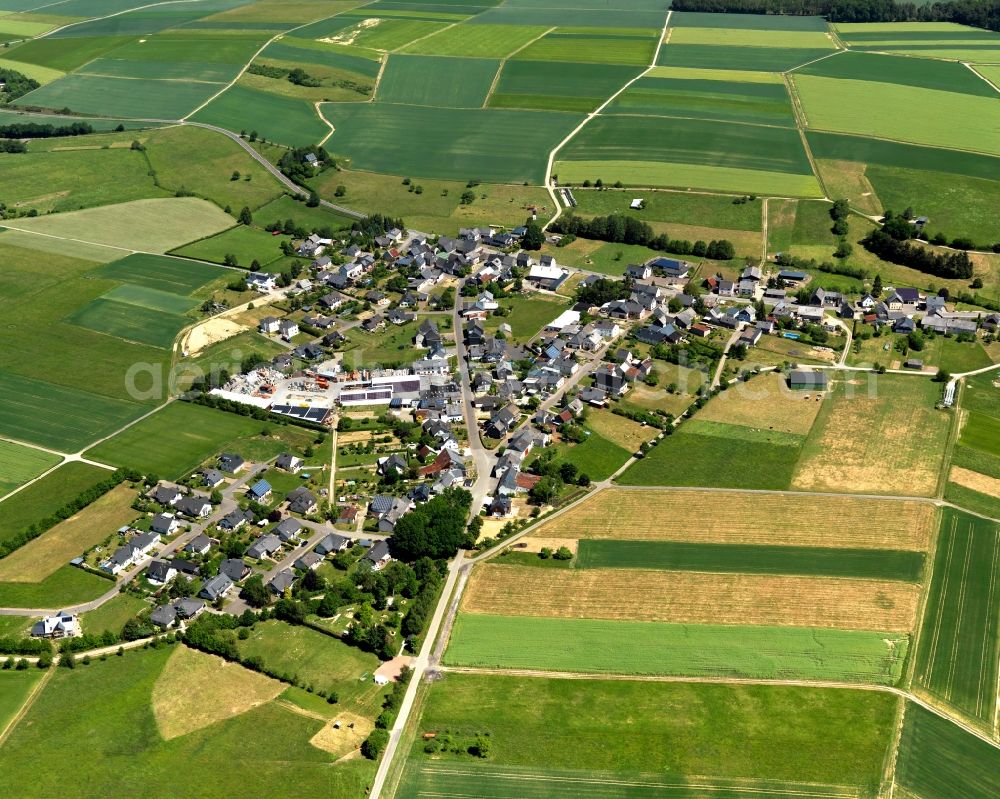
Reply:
x=246 y=218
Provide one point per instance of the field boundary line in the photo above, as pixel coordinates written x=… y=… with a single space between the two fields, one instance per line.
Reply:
x=594 y=113
x=529 y=43
x=892 y=753
x=158 y=80
x=980 y=75
x=708 y=119
x=494 y=82
x=801 y=123
x=253 y=58
x=33 y=480
x=109 y=16
x=815 y=60
x=421 y=38
x=378 y=78
x=596 y=676
x=26 y=705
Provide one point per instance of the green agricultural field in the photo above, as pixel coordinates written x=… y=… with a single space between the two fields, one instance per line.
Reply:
x=667 y=207
x=479 y=41
x=74 y=179
x=247 y=243
x=175 y=276
x=642 y=647
x=57 y=417
x=749 y=38
x=959 y=640
x=594 y=48
x=393 y=34
x=154 y=225
x=178 y=55
x=67 y=585
x=318 y=660
x=836 y=105
x=746 y=22
x=717 y=454
x=439 y=81
x=649 y=20
x=938 y=760
x=43 y=498
x=73 y=709
x=130 y=321
x=686 y=152
x=766 y=59
x=982 y=432
x=15 y=688
x=137 y=98
x=284 y=120
x=41 y=74
x=303 y=52
x=976 y=501
x=927 y=39
x=876 y=564
x=65 y=54
x=446 y=143
x=663 y=732
x=976 y=460
x=558 y=85
x=941 y=75
x=185 y=435
x=731 y=101
x=21 y=464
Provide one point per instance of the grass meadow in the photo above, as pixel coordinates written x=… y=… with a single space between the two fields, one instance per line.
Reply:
x=939 y=760
x=957 y=647
x=753 y=559
x=656 y=648
x=243 y=241
x=21 y=464
x=15 y=687
x=185 y=435
x=668 y=732
x=67 y=585
x=122 y=741
x=883 y=437
x=112 y=615
x=721 y=455
x=595 y=456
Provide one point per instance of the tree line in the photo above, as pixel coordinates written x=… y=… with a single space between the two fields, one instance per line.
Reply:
x=624 y=229
x=978 y=13
x=436 y=529
x=35 y=130
x=891 y=243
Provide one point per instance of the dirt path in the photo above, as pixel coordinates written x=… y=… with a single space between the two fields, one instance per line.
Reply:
x=6 y=731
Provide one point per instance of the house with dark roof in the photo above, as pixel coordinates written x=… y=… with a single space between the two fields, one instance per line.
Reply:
x=199 y=545
x=302 y=501
x=378 y=555
x=807 y=379
x=281 y=582
x=288 y=462
x=288 y=529
x=235 y=569
x=331 y=544
x=216 y=588
x=194 y=507
x=263 y=547
x=160 y=572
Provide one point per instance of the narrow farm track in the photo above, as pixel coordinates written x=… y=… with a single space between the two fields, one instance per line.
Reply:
x=28 y=702
x=596 y=112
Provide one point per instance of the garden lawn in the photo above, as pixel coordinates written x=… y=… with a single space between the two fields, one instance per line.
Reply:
x=185 y=434
x=21 y=464
x=881 y=109
x=446 y=143
x=112 y=615
x=656 y=648
x=528 y=315
x=719 y=454
x=769 y=732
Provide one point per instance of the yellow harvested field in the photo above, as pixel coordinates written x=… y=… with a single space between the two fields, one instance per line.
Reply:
x=195 y=690
x=692 y=597
x=537 y=544
x=982 y=483
x=346 y=739
x=764 y=402
x=882 y=438
x=621 y=431
x=735 y=517
x=54 y=548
